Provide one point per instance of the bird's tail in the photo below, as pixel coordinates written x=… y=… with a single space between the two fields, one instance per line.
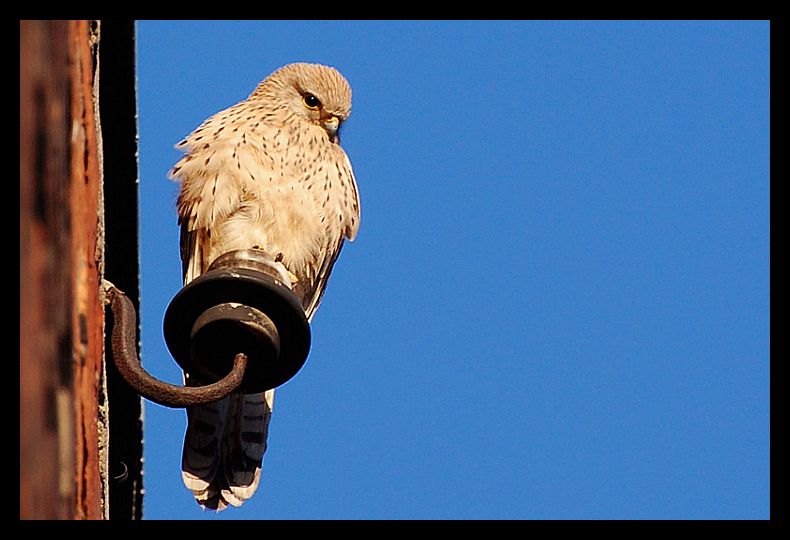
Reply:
x=223 y=448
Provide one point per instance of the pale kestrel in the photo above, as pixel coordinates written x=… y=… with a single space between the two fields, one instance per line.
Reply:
x=267 y=173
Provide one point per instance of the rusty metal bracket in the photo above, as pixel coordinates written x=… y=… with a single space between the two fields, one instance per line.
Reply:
x=124 y=352
x=239 y=318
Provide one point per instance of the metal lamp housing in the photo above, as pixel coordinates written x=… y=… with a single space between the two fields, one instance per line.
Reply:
x=242 y=304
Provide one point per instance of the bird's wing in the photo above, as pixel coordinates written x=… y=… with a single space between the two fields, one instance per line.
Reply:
x=226 y=440
x=311 y=289
x=312 y=286
x=353 y=211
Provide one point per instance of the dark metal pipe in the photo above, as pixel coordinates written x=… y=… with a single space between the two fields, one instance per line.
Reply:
x=124 y=352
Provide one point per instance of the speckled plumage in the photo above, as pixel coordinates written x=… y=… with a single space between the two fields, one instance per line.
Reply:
x=267 y=172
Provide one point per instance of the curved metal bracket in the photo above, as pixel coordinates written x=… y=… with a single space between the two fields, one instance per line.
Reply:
x=124 y=352
x=240 y=317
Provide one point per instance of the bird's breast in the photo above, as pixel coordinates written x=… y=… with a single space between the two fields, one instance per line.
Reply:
x=288 y=216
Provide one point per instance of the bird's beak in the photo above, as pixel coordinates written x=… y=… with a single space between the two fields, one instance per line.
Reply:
x=331 y=124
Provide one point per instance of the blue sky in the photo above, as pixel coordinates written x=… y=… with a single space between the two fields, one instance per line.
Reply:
x=557 y=306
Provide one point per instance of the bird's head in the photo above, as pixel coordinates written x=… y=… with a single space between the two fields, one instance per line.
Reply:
x=313 y=93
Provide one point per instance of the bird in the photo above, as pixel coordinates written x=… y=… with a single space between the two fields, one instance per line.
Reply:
x=267 y=173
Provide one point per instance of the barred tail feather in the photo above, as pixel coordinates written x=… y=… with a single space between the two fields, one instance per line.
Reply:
x=202 y=443
x=224 y=447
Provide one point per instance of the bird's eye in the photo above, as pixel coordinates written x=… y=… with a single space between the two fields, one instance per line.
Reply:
x=311 y=102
